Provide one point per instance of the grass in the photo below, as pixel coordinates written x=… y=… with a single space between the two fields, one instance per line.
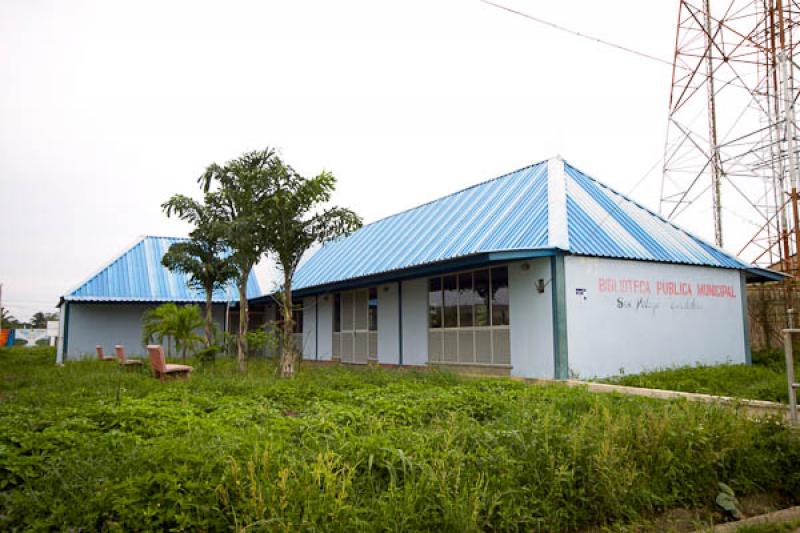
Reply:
x=787 y=527
x=91 y=447
x=765 y=379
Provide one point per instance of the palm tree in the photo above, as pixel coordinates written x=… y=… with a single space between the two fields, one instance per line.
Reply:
x=174 y=322
x=159 y=323
x=186 y=322
x=237 y=194
x=293 y=222
x=203 y=256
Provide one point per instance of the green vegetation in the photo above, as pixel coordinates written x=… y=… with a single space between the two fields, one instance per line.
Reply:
x=255 y=205
x=765 y=379
x=174 y=322
x=92 y=446
x=202 y=257
x=37 y=321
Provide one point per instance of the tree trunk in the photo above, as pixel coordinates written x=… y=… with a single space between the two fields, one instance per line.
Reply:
x=242 y=341
x=209 y=319
x=288 y=356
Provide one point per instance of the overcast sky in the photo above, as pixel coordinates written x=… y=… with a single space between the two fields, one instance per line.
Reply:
x=107 y=108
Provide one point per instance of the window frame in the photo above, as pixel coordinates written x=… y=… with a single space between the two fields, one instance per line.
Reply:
x=489 y=327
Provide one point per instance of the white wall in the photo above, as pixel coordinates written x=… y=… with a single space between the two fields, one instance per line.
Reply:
x=388 y=324
x=531 y=315
x=415 y=322
x=627 y=318
x=325 y=317
x=309 y=328
x=109 y=324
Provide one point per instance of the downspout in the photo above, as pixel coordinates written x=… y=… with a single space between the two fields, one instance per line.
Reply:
x=400 y=321
x=316 y=327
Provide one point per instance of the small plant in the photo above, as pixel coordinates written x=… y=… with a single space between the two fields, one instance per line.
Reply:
x=257 y=340
x=208 y=354
x=726 y=500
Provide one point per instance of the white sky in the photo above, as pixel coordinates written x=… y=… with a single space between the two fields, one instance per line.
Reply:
x=107 y=108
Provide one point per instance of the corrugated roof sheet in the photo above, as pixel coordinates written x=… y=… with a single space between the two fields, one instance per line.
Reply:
x=510 y=213
x=605 y=223
x=137 y=275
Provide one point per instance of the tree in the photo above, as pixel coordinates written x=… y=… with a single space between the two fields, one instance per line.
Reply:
x=39 y=319
x=202 y=257
x=7 y=321
x=294 y=221
x=237 y=194
x=176 y=322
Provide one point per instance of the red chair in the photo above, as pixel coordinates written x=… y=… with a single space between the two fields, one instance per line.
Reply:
x=124 y=361
x=161 y=369
x=101 y=355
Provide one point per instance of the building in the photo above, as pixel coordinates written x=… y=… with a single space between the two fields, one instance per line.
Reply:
x=107 y=308
x=543 y=272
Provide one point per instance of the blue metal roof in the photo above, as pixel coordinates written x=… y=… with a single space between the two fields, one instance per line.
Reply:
x=137 y=275
x=515 y=212
x=509 y=212
x=605 y=223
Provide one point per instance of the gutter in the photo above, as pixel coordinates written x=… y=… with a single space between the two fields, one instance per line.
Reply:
x=417 y=271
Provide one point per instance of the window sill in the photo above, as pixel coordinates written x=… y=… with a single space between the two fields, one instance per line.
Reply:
x=455 y=363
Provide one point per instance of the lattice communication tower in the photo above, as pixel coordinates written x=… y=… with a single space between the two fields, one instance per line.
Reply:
x=731 y=146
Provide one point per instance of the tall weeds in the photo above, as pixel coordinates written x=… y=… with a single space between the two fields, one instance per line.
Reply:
x=339 y=449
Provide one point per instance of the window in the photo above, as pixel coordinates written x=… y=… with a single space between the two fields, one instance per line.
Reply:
x=337 y=312
x=468 y=317
x=449 y=286
x=500 y=296
x=435 y=303
x=373 y=309
x=466 y=300
x=481 y=298
x=297 y=318
x=355 y=325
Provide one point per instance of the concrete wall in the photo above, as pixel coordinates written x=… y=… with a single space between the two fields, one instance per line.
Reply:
x=415 y=321
x=388 y=324
x=108 y=324
x=531 y=318
x=309 y=328
x=635 y=315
